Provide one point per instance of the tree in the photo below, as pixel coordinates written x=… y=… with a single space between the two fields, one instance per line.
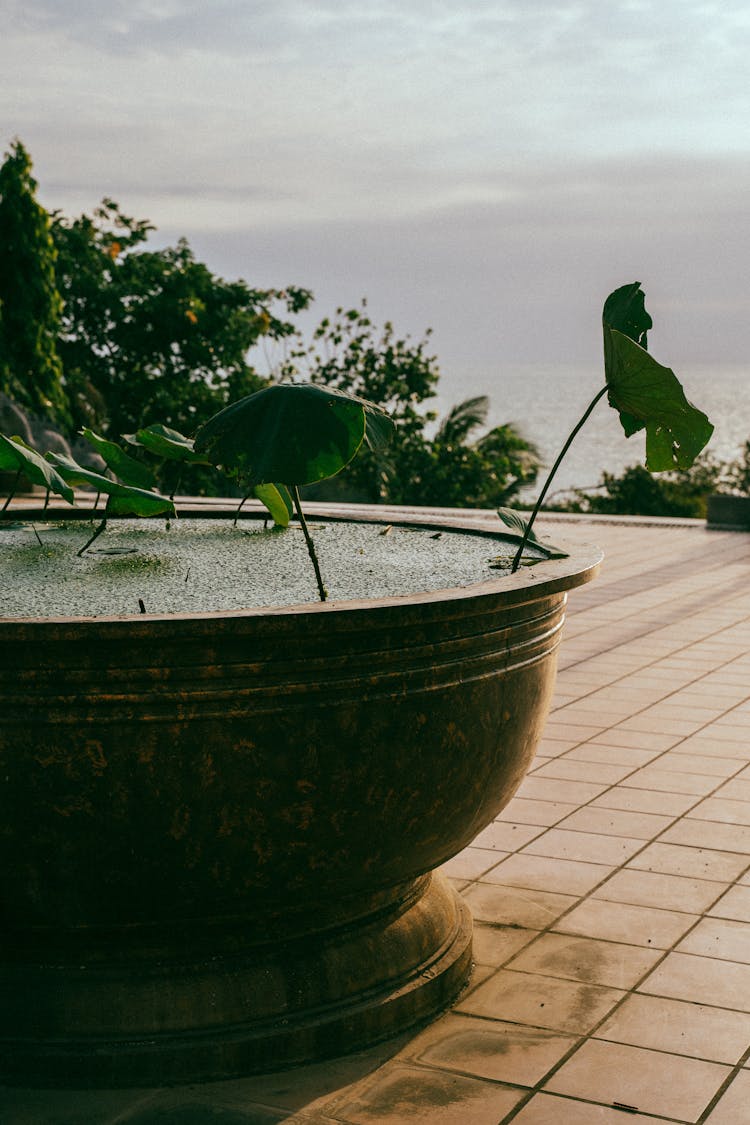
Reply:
x=154 y=335
x=30 y=304
x=350 y=353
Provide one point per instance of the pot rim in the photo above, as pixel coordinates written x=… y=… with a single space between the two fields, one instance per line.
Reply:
x=545 y=578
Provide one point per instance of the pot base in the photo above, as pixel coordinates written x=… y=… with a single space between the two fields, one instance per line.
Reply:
x=270 y=1007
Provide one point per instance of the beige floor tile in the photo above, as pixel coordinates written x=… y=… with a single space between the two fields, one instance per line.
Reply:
x=542 y=813
x=734 y=904
x=493 y=945
x=710 y=765
x=705 y=745
x=589 y=847
x=710 y=834
x=683 y=1028
x=738 y=789
x=525 y=998
x=547 y=1109
x=666 y=781
x=570 y=770
x=611 y=755
x=719 y=937
x=561 y=876
x=585 y=959
x=513 y=906
x=642 y=740
x=554 y=789
x=471 y=863
x=698 y=863
x=503 y=1052
x=668 y=892
x=616 y=822
x=651 y=1081
x=734 y=1106
x=506 y=837
x=623 y=922
x=643 y=800
x=727 y=812
x=703 y=980
x=399 y=1093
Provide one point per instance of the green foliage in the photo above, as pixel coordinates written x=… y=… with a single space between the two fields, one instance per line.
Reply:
x=278 y=502
x=154 y=333
x=124 y=500
x=30 y=304
x=350 y=353
x=646 y=394
x=636 y=492
x=293 y=433
x=735 y=476
x=125 y=467
x=19 y=458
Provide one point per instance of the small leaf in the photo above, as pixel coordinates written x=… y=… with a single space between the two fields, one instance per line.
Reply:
x=645 y=393
x=125 y=467
x=293 y=433
x=515 y=521
x=277 y=500
x=15 y=455
x=137 y=502
x=169 y=444
x=123 y=499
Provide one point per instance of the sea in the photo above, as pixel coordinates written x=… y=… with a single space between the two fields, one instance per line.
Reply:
x=545 y=402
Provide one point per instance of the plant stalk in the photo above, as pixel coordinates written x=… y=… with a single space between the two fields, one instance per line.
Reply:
x=96 y=535
x=553 y=470
x=308 y=539
x=12 y=491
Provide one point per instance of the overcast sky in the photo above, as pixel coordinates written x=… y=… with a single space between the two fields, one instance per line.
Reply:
x=492 y=169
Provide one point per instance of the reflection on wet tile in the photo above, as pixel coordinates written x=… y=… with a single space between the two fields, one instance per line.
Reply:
x=504 y=1052
x=410 y=1093
x=583 y=958
x=562 y=1005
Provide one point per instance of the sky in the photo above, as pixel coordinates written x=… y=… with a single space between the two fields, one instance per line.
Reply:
x=489 y=169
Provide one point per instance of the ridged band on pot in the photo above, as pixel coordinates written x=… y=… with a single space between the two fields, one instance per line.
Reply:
x=239 y=782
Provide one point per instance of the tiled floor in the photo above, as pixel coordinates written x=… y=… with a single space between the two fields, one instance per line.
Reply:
x=611 y=897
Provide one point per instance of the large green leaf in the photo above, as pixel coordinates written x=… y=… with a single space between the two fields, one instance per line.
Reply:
x=169 y=444
x=277 y=500
x=646 y=394
x=292 y=433
x=123 y=499
x=15 y=455
x=126 y=467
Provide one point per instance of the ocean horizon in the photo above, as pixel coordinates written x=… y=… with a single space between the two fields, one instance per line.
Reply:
x=546 y=401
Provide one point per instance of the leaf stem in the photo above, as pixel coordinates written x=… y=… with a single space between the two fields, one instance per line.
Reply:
x=242 y=503
x=96 y=535
x=12 y=492
x=553 y=470
x=308 y=539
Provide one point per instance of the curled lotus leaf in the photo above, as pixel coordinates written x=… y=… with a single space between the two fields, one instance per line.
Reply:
x=646 y=394
x=166 y=443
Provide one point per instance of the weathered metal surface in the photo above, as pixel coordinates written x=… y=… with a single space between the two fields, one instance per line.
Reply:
x=192 y=805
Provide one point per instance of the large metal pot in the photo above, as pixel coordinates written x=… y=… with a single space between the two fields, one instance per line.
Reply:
x=217 y=857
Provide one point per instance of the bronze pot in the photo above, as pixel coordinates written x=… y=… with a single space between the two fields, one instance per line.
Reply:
x=217 y=857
